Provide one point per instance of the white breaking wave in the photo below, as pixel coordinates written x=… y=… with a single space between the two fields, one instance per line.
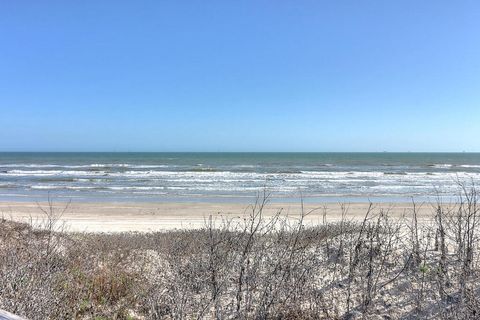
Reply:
x=79 y=166
x=442 y=166
x=123 y=179
x=246 y=176
x=37 y=173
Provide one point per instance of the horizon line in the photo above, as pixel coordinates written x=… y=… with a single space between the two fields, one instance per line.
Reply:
x=23 y=151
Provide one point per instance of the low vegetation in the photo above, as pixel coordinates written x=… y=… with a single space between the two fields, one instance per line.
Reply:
x=256 y=268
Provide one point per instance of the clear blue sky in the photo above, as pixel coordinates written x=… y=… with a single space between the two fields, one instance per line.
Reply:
x=240 y=75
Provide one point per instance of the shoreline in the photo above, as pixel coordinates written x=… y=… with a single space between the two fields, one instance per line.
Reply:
x=164 y=216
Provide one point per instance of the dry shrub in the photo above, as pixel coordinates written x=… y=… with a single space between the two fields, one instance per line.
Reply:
x=257 y=268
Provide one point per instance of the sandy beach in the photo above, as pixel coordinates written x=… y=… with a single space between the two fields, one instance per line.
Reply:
x=145 y=217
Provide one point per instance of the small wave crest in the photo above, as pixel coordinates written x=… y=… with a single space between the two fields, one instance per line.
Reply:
x=440 y=165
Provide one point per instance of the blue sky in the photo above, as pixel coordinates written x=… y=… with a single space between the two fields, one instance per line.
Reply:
x=240 y=75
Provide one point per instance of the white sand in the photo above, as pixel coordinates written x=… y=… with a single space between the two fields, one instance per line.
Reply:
x=144 y=217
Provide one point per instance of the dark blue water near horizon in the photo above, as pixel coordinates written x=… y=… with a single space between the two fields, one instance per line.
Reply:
x=234 y=177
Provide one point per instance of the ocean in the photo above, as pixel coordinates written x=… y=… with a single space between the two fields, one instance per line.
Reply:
x=236 y=177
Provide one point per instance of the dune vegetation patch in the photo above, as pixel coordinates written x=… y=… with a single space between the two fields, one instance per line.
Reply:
x=255 y=268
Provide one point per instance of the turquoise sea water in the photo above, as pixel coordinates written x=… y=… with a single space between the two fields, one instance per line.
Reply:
x=234 y=176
